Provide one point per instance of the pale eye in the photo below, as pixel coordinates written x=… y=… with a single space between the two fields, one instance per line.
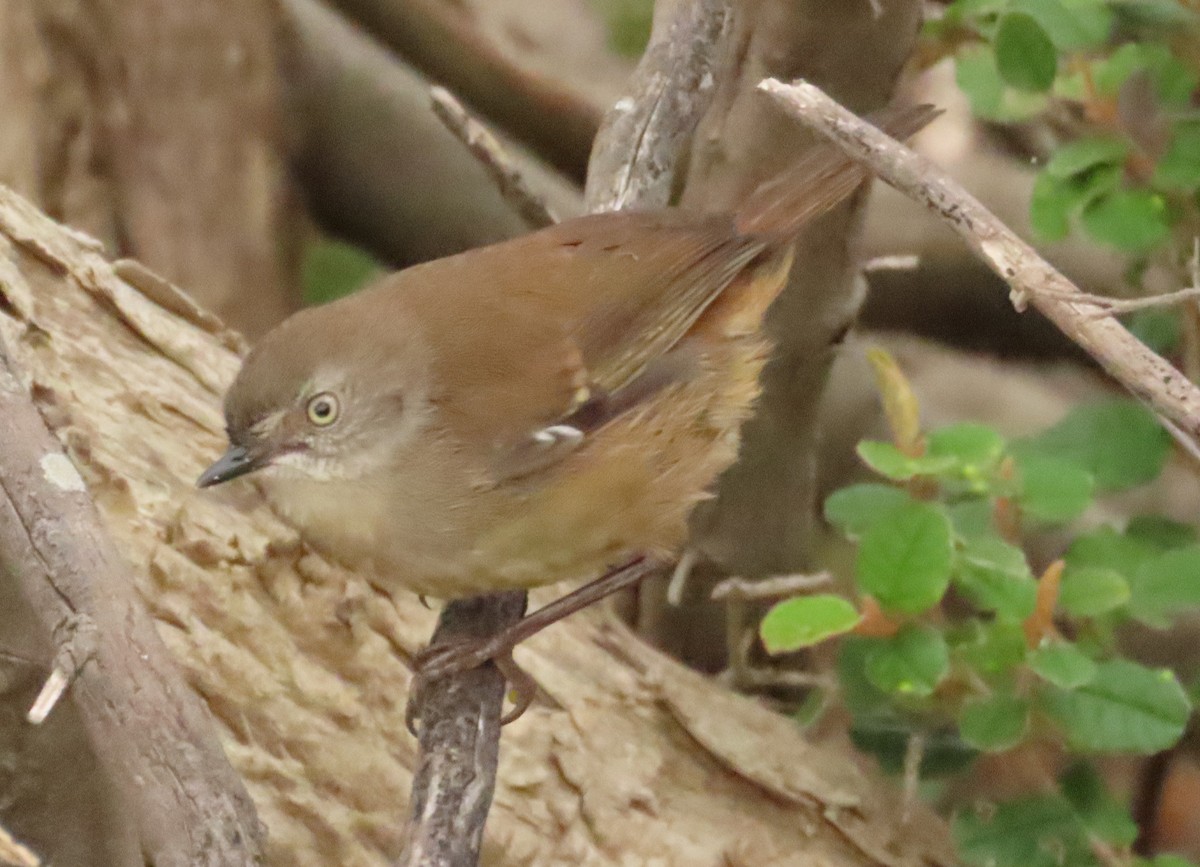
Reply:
x=323 y=409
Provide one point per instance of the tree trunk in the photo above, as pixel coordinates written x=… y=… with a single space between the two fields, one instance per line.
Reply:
x=156 y=126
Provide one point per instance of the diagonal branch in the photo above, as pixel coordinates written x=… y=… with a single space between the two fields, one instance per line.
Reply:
x=1031 y=279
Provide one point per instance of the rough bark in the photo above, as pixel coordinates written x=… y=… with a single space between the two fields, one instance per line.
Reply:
x=185 y=805
x=155 y=126
x=628 y=758
x=761 y=522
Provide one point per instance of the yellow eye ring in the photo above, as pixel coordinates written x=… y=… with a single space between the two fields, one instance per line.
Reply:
x=323 y=409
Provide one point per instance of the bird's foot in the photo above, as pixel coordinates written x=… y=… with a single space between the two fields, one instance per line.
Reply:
x=456 y=657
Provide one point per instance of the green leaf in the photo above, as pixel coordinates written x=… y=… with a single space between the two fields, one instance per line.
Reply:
x=805 y=621
x=912 y=662
x=1179 y=167
x=1052 y=489
x=887 y=739
x=1051 y=206
x=1096 y=808
x=1165 y=861
x=1055 y=200
x=991 y=648
x=1174 y=81
x=1126 y=708
x=1132 y=220
x=1161 y=14
x=1106 y=548
x=994 y=724
x=1157 y=327
x=1063 y=664
x=332 y=269
x=1161 y=532
x=904 y=559
x=996 y=577
x=1031 y=832
x=972 y=517
x=1166 y=586
x=854 y=509
x=1120 y=443
x=977 y=76
x=1077 y=157
x=1070 y=24
x=1025 y=56
x=1090 y=591
x=628 y=23
x=967 y=443
x=887 y=460
x=862 y=698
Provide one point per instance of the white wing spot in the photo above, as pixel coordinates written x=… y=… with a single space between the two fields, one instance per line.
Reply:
x=558 y=434
x=61 y=473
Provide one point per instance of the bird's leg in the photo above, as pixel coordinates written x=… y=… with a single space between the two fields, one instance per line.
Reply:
x=459 y=656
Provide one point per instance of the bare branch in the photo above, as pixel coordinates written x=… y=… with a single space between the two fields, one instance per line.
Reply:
x=638 y=148
x=442 y=41
x=459 y=741
x=484 y=146
x=149 y=728
x=1030 y=278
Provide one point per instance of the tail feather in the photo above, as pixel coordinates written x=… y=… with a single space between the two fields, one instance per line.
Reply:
x=822 y=178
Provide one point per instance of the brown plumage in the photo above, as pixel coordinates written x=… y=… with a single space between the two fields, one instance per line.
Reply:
x=530 y=411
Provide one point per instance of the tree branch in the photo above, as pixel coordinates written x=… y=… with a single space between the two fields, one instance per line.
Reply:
x=459 y=741
x=1031 y=279
x=639 y=148
x=151 y=732
x=441 y=41
x=376 y=165
x=488 y=151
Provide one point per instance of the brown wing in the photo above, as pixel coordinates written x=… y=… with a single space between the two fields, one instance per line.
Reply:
x=526 y=331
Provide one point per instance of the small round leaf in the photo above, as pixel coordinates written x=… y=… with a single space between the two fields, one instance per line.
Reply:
x=1025 y=56
x=805 y=621
x=905 y=558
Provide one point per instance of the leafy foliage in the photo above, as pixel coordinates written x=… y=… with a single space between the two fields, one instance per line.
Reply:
x=952 y=634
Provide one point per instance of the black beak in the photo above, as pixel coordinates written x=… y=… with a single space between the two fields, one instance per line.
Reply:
x=237 y=461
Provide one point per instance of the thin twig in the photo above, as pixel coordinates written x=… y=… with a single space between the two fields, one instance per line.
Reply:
x=914 y=755
x=898 y=262
x=767 y=589
x=490 y=153
x=1030 y=278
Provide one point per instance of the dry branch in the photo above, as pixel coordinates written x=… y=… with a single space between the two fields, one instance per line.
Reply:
x=441 y=41
x=484 y=147
x=376 y=165
x=640 y=146
x=1031 y=279
x=153 y=734
x=459 y=742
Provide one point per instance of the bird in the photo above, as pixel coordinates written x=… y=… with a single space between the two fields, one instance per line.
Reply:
x=535 y=410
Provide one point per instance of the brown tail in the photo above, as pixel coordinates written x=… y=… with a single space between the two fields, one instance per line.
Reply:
x=783 y=205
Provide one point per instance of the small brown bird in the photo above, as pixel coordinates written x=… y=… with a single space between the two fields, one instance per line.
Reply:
x=531 y=411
